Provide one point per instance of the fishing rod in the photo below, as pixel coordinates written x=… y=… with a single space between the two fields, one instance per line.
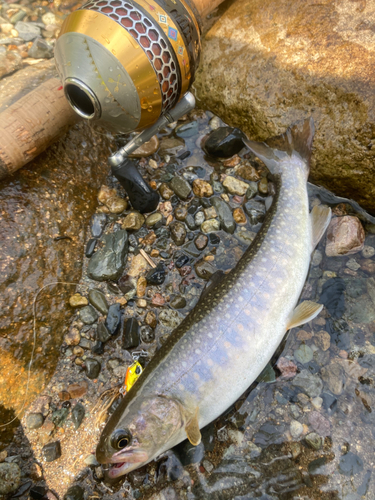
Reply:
x=126 y=64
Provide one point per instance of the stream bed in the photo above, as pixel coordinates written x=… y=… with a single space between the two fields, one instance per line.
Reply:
x=304 y=430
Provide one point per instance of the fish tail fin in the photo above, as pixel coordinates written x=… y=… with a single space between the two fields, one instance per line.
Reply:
x=297 y=140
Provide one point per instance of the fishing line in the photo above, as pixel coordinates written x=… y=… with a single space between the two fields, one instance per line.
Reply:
x=34 y=343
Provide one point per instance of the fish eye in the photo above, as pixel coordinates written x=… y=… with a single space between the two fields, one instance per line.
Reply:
x=120 y=439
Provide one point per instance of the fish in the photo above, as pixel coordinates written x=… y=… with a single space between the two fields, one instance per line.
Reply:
x=225 y=342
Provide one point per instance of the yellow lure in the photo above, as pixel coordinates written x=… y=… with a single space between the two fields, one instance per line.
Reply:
x=132 y=374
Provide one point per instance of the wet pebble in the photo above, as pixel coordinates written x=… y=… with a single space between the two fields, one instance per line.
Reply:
x=350 y=464
x=178 y=233
x=256 y=211
x=322 y=339
x=34 y=420
x=310 y=383
x=10 y=478
x=296 y=429
x=201 y=241
x=178 y=302
x=156 y=276
x=147 y=334
x=90 y=247
x=102 y=333
x=51 y=451
x=97 y=224
x=319 y=423
x=204 y=269
x=78 y=389
x=27 y=31
x=190 y=222
x=199 y=218
x=40 y=49
x=202 y=188
x=88 y=315
x=113 y=319
x=181 y=187
x=225 y=214
x=131 y=334
x=334 y=376
x=224 y=142
x=150 y=319
x=210 y=226
x=181 y=261
x=133 y=221
x=110 y=198
x=235 y=186
x=147 y=149
x=239 y=216
x=303 y=354
x=314 y=441
x=109 y=262
x=287 y=368
x=75 y=492
x=169 y=318
x=78 y=414
x=92 y=368
x=165 y=191
x=98 y=348
x=181 y=213
x=368 y=251
x=345 y=236
x=316 y=258
x=263 y=186
x=154 y=219
x=98 y=300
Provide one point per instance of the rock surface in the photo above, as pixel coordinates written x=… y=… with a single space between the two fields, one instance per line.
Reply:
x=267 y=63
x=345 y=236
x=36 y=208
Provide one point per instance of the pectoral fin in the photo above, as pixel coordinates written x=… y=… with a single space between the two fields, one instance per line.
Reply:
x=192 y=430
x=320 y=217
x=303 y=313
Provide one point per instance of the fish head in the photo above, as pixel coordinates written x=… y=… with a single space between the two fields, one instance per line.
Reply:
x=142 y=431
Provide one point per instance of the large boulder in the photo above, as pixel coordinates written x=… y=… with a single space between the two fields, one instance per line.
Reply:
x=44 y=211
x=267 y=63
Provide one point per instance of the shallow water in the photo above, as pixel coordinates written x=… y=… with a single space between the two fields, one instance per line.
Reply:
x=249 y=452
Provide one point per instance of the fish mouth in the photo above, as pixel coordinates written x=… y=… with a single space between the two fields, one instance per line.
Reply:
x=123 y=462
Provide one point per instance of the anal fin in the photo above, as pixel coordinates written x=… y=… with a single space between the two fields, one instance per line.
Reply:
x=303 y=313
x=320 y=217
x=192 y=429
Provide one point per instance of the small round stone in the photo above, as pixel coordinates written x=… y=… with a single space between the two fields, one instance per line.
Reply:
x=181 y=213
x=235 y=186
x=98 y=300
x=202 y=188
x=368 y=251
x=133 y=221
x=92 y=368
x=88 y=315
x=165 y=191
x=178 y=233
x=303 y=354
x=210 y=226
x=34 y=420
x=201 y=241
x=199 y=218
x=77 y=300
x=314 y=441
x=204 y=269
x=263 y=186
x=239 y=216
x=10 y=478
x=296 y=429
x=147 y=334
x=181 y=187
x=178 y=302
x=153 y=219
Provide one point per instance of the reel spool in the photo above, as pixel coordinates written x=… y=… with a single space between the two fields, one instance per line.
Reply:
x=126 y=63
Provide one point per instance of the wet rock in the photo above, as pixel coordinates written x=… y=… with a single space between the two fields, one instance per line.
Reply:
x=156 y=276
x=59 y=416
x=368 y=251
x=38 y=493
x=267 y=375
x=239 y=216
x=51 y=451
x=204 y=269
x=150 y=319
x=169 y=318
x=303 y=354
x=202 y=188
x=178 y=233
x=154 y=219
x=296 y=429
x=189 y=454
x=27 y=31
x=98 y=348
x=187 y=129
x=165 y=191
x=147 y=334
x=40 y=49
x=113 y=319
x=34 y=420
x=181 y=187
x=309 y=383
x=314 y=441
x=75 y=492
x=181 y=213
x=345 y=236
x=210 y=226
x=72 y=337
x=171 y=146
x=252 y=190
x=224 y=142
x=77 y=300
x=142 y=285
x=287 y=368
x=333 y=298
x=110 y=198
x=210 y=213
x=333 y=42
x=10 y=478
x=201 y=241
x=350 y=464
x=78 y=389
x=199 y=218
x=190 y=222
x=109 y=262
x=256 y=211
x=322 y=340
x=98 y=300
x=147 y=149
x=133 y=221
x=263 y=186
x=235 y=186
x=92 y=368
x=90 y=247
x=319 y=423
x=102 y=333
x=178 y=302
x=88 y=315
x=131 y=334
x=334 y=376
x=224 y=213
x=78 y=414
x=181 y=261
